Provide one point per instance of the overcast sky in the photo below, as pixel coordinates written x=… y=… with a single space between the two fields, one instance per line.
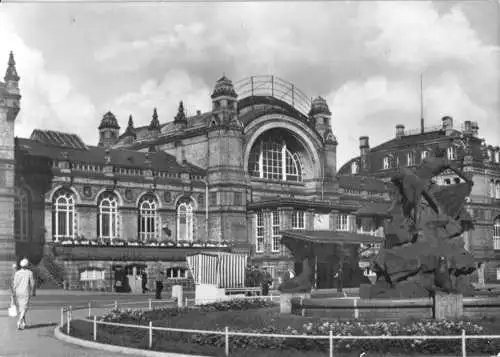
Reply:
x=77 y=61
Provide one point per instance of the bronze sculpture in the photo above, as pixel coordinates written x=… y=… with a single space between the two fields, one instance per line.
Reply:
x=423 y=251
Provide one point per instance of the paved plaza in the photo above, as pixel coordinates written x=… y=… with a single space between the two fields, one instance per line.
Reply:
x=39 y=340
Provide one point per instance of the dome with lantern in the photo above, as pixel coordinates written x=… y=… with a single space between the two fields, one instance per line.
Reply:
x=109 y=122
x=224 y=87
x=319 y=106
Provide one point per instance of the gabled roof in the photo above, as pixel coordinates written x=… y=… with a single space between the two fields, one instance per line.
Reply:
x=59 y=139
x=39 y=145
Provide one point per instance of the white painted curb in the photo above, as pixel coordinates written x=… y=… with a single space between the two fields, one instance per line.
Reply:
x=113 y=348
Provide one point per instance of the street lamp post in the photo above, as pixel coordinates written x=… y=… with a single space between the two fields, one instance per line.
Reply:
x=206 y=206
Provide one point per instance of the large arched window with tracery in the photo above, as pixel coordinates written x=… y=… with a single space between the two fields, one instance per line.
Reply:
x=185 y=220
x=22 y=215
x=274 y=158
x=149 y=220
x=63 y=215
x=108 y=218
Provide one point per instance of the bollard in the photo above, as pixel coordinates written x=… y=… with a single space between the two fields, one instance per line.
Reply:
x=90 y=309
x=68 y=320
x=150 y=334
x=331 y=343
x=62 y=316
x=150 y=304
x=186 y=303
x=464 y=347
x=227 y=341
x=356 y=310
x=116 y=304
x=95 y=328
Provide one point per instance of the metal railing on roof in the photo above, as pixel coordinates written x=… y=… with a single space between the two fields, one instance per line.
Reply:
x=427 y=129
x=268 y=85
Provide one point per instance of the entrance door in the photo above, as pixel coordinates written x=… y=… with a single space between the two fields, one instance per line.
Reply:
x=134 y=275
x=325 y=275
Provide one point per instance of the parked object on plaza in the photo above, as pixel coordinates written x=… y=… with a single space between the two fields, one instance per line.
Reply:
x=423 y=251
x=213 y=273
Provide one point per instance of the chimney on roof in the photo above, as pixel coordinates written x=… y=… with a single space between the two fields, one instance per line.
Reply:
x=400 y=131
x=198 y=112
x=364 y=145
x=447 y=125
x=179 y=153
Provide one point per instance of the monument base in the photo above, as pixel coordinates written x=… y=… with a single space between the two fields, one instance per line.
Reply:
x=208 y=294
x=286 y=301
x=447 y=306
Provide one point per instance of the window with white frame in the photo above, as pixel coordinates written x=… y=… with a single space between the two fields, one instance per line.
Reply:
x=275 y=161
x=149 y=220
x=497 y=190
x=410 y=158
x=276 y=237
x=452 y=153
x=424 y=155
x=492 y=189
x=63 y=215
x=498 y=273
x=298 y=221
x=22 y=215
x=185 y=221
x=176 y=273
x=496 y=234
x=386 y=162
x=108 y=220
x=259 y=232
x=342 y=222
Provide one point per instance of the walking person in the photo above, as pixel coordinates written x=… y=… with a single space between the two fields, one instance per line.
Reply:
x=266 y=282
x=23 y=289
x=144 y=282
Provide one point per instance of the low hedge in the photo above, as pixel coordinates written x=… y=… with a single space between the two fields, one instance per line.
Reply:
x=273 y=325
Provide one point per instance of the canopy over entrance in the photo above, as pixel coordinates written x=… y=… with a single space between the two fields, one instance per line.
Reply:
x=333 y=257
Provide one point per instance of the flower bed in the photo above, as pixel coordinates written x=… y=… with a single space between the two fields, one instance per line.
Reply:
x=260 y=316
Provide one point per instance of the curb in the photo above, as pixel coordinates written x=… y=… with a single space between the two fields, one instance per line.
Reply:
x=114 y=348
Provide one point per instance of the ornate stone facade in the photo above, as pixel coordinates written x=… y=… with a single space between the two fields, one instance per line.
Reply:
x=242 y=174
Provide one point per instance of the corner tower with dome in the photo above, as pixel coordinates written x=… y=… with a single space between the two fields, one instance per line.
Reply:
x=252 y=172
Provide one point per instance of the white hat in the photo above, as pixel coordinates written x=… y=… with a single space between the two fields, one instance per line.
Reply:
x=24 y=263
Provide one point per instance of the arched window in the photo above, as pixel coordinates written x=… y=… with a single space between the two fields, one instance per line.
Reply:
x=108 y=219
x=424 y=155
x=386 y=163
x=63 y=215
x=185 y=221
x=496 y=233
x=274 y=160
x=354 y=168
x=22 y=215
x=149 y=221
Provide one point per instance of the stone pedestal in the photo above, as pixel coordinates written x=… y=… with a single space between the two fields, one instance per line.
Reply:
x=448 y=306
x=209 y=294
x=286 y=301
x=178 y=293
